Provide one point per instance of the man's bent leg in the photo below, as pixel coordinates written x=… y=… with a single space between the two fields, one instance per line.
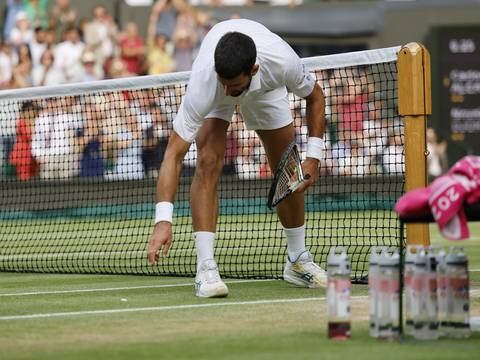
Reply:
x=300 y=268
x=291 y=210
x=210 y=142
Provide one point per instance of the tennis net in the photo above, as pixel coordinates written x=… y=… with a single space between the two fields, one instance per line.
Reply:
x=79 y=164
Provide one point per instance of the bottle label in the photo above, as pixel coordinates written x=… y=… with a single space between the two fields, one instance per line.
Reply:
x=338 y=294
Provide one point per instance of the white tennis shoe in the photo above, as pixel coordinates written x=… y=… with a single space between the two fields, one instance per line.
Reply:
x=304 y=272
x=208 y=283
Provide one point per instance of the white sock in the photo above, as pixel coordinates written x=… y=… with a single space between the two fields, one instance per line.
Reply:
x=295 y=241
x=204 y=246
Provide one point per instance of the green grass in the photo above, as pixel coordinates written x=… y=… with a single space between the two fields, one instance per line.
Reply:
x=268 y=330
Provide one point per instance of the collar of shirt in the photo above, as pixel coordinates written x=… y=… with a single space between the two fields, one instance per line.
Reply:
x=254 y=83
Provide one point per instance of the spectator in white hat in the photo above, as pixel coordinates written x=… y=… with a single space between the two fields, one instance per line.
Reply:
x=22 y=32
x=89 y=71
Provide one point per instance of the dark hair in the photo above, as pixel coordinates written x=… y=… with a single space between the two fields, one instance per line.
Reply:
x=235 y=54
x=30 y=105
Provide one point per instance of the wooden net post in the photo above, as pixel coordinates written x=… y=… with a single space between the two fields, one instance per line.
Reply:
x=414 y=104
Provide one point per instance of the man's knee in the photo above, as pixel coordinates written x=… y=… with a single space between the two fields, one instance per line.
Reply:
x=209 y=164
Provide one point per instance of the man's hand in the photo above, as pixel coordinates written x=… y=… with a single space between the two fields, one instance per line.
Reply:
x=160 y=240
x=310 y=171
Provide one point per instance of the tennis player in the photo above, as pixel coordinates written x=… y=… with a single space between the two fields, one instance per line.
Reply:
x=240 y=62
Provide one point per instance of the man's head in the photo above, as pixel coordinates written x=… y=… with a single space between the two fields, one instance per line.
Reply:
x=235 y=57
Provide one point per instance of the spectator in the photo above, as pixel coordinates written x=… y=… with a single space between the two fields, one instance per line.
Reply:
x=132 y=49
x=89 y=143
x=89 y=71
x=53 y=141
x=118 y=69
x=82 y=26
x=22 y=72
x=155 y=139
x=21 y=156
x=6 y=65
x=352 y=104
x=8 y=119
x=349 y=156
x=101 y=35
x=393 y=155
x=21 y=33
x=184 y=50
x=375 y=139
x=46 y=73
x=159 y=57
x=13 y=8
x=37 y=12
x=437 y=154
x=165 y=11
x=50 y=38
x=68 y=53
x=62 y=16
x=128 y=164
x=38 y=45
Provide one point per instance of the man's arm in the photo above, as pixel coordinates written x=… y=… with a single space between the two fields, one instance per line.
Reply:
x=316 y=129
x=168 y=178
x=171 y=167
x=316 y=112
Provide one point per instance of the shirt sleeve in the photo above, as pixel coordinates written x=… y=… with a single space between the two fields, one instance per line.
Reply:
x=196 y=104
x=297 y=79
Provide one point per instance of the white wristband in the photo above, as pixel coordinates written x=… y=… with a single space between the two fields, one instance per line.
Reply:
x=163 y=212
x=315 y=148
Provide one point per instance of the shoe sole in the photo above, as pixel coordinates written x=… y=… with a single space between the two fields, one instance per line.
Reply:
x=296 y=281
x=219 y=292
x=212 y=296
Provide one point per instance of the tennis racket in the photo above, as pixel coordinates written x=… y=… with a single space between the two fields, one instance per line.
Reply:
x=288 y=176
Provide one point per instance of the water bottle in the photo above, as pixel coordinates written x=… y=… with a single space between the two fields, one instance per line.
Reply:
x=373 y=277
x=431 y=302
x=458 y=315
x=388 y=295
x=408 y=287
x=419 y=295
x=338 y=294
x=442 y=293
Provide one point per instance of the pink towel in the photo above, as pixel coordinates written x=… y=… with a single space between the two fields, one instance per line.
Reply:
x=414 y=203
x=445 y=198
x=448 y=193
x=469 y=166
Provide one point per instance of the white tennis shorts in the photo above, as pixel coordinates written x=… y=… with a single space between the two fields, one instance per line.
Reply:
x=267 y=111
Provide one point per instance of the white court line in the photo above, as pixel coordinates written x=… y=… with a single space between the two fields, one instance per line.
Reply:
x=122 y=288
x=173 y=307
x=163 y=308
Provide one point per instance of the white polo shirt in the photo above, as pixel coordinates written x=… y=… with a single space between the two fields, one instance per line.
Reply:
x=265 y=104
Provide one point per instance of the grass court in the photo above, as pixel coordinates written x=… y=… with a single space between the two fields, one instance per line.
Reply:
x=61 y=316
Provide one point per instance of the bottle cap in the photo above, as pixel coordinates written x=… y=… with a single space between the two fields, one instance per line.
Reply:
x=375 y=255
x=412 y=251
x=338 y=257
x=389 y=257
x=456 y=256
x=421 y=258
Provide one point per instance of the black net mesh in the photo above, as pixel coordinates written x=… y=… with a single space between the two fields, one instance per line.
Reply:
x=78 y=180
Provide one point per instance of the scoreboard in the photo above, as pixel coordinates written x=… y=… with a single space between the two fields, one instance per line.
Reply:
x=455 y=54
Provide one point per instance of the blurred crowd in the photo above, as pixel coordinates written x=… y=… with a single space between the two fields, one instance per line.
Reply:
x=51 y=45
x=44 y=42
x=123 y=135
